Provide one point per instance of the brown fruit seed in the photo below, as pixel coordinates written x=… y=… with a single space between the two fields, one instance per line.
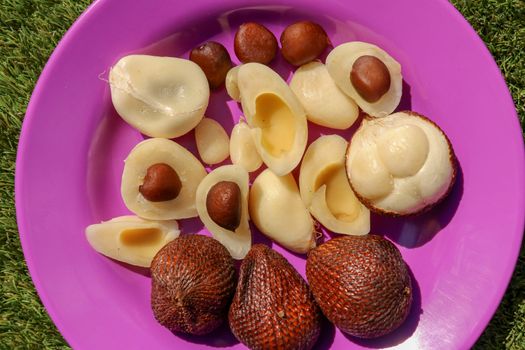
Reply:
x=161 y=183
x=303 y=42
x=255 y=43
x=214 y=60
x=223 y=203
x=193 y=281
x=361 y=284
x=370 y=77
x=273 y=307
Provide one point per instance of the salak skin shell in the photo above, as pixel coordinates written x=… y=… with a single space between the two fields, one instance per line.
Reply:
x=273 y=307
x=193 y=282
x=361 y=284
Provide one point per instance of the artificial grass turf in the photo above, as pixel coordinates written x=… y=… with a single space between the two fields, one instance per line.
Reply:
x=29 y=30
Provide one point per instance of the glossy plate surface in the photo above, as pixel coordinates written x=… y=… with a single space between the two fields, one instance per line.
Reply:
x=73 y=145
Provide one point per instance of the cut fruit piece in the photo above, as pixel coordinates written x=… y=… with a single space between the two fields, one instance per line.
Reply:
x=325 y=104
x=242 y=148
x=401 y=164
x=369 y=75
x=159 y=96
x=325 y=189
x=212 y=141
x=231 y=84
x=219 y=206
x=131 y=239
x=161 y=151
x=277 y=210
x=275 y=116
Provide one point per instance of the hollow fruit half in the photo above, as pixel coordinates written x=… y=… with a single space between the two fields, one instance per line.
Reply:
x=222 y=203
x=275 y=116
x=325 y=189
x=160 y=179
x=131 y=239
x=401 y=164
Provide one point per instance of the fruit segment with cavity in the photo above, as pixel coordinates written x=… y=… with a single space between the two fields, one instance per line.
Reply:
x=273 y=307
x=361 y=284
x=192 y=284
x=368 y=74
x=401 y=164
x=159 y=96
x=325 y=189
x=131 y=239
x=222 y=204
x=325 y=104
x=277 y=210
x=160 y=179
x=275 y=116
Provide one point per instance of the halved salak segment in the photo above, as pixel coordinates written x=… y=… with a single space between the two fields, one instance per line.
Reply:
x=242 y=148
x=140 y=162
x=401 y=164
x=131 y=239
x=275 y=116
x=212 y=141
x=222 y=203
x=159 y=96
x=325 y=189
x=368 y=74
x=277 y=210
x=325 y=104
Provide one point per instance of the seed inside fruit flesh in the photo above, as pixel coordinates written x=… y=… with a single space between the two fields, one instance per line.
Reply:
x=131 y=239
x=325 y=189
x=277 y=210
x=400 y=165
x=361 y=284
x=275 y=116
x=273 y=307
x=159 y=96
x=222 y=203
x=142 y=158
x=358 y=69
x=193 y=281
x=370 y=77
x=303 y=42
x=161 y=183
x=325 y=104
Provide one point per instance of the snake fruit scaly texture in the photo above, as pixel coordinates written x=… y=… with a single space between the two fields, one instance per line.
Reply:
x=273 y=307
x=361 y=284
x=193 y=281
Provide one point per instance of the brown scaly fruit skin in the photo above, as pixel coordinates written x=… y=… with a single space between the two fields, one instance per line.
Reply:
x=361 y=284
x=453 y=162
x=193 y=281
x=273 y=307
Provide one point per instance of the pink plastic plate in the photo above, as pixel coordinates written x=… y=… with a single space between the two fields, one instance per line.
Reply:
x=72 y=147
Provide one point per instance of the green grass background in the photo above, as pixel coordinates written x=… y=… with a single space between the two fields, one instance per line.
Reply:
x=29 y=30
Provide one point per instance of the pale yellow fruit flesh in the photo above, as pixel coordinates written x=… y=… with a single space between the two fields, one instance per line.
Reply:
x=131 y=239
x=242 y=148
x=237 y=242
x=277 y=211
x=326 y=191
x=154 y=151
x=212 y=141
x=159 y=96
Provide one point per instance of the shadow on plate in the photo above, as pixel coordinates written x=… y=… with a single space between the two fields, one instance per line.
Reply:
x=415 y=231
x=405 y=331
x=327 y=336
x=222 y=337
x=406 y=98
